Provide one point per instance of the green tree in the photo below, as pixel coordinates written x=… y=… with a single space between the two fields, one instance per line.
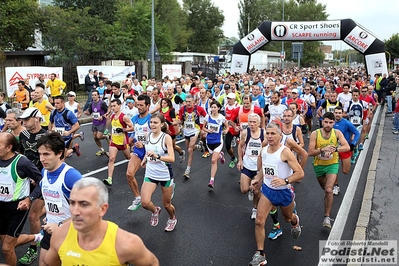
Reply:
x=294 y=10
x=103 y=9
x=205 y=20
x=74 y=35
x=392 y=45
x=19 y=19
x=171 y=15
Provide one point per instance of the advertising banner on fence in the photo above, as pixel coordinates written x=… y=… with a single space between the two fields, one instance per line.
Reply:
x=113 y=73
x=171 y=71
x=306 y=30
x=15 y=74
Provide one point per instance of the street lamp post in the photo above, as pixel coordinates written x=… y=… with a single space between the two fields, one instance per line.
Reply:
x=282 y=44
x=152 y=41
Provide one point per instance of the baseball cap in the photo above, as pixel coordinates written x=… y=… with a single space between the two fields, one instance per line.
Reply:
x=231 y=95
x=294 y=91
x=226 y=86
x=72 y=93
x=31 y=112
x=150 y=88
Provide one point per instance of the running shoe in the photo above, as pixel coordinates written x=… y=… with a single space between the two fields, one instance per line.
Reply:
x=77 y=150
x=211 y=184
x=82 y=135
x=155 y=216
x=179 y=137
x=108 y=181
x=327 y=222
x=251 y=195
x=200 y=146
x=182 y=156
x=253 y=214
x=170 y=225
x=234 y=142
x=106 y=132
x=336 y=190
x=275 y=233
x=396 y=132
x=70 y=155
x=136 y=204
x=106 y=154
x=360 y=147
x=367 y=136
x=206 y=154
x=99 y=153
x=221 y=157
x=29 y=256
x=186 y=174
x=233 y=163
x=296 y=230
x=258 y=260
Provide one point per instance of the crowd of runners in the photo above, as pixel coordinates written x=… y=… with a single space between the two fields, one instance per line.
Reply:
x=256 y=122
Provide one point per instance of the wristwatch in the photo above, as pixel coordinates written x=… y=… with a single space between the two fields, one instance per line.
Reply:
x=286 y=181
x=158 y=156
x=32 y=199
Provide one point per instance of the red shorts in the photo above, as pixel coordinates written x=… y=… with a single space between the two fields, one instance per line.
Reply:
x=345 y=155
x=119 y=147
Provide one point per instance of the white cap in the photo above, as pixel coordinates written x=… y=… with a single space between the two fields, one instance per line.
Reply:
x=294 y=91
x=231 y=95
x=150 y=88
x=71 y=93
x=30 y=112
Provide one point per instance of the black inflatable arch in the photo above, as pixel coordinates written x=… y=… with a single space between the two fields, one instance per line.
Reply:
x=346 y=30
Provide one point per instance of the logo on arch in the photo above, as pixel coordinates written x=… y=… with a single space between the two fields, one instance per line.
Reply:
x=250 y=37
x=280 y=31
x=363 y=35
x=254 y=40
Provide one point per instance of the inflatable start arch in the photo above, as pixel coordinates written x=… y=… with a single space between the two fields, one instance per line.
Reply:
x=346 y=30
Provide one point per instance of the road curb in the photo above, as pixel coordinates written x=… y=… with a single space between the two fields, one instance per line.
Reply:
x=365 y=209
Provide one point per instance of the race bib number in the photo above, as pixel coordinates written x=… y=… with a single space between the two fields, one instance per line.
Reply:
x=243 y=126
x=269 y=171
x=54 y=206
x=96 y=115
x=214 y=127
x=323 y=157
x=115 y=131
x=6 y=190
x=331 y=109
x=60 y=130
x=355 y=120
x=189 y=125
x=142 y=137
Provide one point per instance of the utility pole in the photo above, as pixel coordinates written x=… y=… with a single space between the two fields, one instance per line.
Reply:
x=152 y=41
x=282 y=44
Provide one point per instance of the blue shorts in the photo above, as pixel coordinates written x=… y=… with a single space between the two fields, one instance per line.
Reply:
x=139 y=152
x=251 y=174
x=67 y=142
x=278 y=197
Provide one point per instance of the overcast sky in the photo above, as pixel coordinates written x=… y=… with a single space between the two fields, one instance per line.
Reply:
x=380 y=17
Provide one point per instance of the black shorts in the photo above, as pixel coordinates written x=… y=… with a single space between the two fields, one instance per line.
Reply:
x=45 y=243
x=12 y=220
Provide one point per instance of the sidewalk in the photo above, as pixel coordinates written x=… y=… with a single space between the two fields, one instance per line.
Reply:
x=383 y=223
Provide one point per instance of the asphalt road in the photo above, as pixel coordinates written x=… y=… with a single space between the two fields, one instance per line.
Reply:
x=214 y=225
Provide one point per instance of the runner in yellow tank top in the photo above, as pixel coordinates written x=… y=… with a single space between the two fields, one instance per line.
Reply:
x=90 y=240
x=324 y=147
